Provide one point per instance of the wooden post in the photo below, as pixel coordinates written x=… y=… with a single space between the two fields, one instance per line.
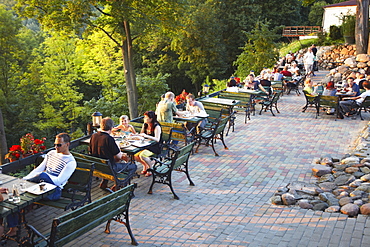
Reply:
x=362 y=25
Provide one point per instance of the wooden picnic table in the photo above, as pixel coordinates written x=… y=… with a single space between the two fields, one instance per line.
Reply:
x=7 y=207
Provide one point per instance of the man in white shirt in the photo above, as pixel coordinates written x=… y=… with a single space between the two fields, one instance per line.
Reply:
x=57 y=167
x=308 y=62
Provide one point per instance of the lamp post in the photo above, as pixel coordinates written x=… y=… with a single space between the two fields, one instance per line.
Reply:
x=96 y=120
x=205 y=89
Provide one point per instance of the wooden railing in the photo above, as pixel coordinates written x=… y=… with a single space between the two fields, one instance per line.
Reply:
x=295 y=31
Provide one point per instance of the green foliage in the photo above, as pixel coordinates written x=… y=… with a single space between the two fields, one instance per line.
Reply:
x=348 y=25
x=335 y=33
x=296 y=46
x=316 y=14
x=259 y=51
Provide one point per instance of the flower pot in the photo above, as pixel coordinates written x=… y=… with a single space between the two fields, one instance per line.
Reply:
x=349 y=39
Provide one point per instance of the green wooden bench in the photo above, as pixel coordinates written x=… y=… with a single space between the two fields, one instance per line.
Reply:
x=104 y=170
x=245 y=101
x=216 y=112
x=365 y=106
x=77 y=191
x=177 y=160
x=68 y=227
x=327 y=102
x=269 y=104
x=210 y=135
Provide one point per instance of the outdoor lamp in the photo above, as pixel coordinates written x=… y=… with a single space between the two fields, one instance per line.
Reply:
x=206 y=89
x=96 y=118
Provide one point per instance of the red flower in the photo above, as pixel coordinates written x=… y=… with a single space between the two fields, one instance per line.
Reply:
x=38 y=141
x=43 y=147
x=17 y=155
x=15 y=148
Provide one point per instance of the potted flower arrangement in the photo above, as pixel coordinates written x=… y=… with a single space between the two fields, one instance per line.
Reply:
x=181 y=98
x=28 y=146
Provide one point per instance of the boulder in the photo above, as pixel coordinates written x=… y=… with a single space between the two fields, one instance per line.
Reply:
x=365 y=209
x=304 y=187
x=365 y=169
x=361 y=65
x=276 y=200
x=321 y=170
x=320 y=206
x=326 y=178
x=288 y=199
x=351 y=169
x=364 y=58
x=350 y=160
x=344 y=179
x=350 y=209
x=345 y=200
x=341 y=69
x=365 y=178
x=305 y=204
x=326 y=161
x=351 y=62
x=332 y=209
x=356 y=183
x=328 y=186
x=358 y=202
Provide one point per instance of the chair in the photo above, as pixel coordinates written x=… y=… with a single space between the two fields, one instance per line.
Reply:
x=295 y=87
x=365 y=105
x=328 y=102
x=209 y=135
x=178 y=161
x=268 y=104
x=311 y=101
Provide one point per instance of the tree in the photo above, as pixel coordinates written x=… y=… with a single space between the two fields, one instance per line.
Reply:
x=316 y=13
x=122 y=21
x=259 y=51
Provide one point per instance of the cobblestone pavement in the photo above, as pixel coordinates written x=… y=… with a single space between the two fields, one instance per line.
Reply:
x=229 y=204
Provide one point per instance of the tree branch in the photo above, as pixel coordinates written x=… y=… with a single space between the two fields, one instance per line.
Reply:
x=108 y=34
x=101 y=11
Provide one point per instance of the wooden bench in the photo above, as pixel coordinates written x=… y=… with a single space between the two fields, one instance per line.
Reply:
x=327 y=102
x=104 y=170
x=77 y=191
x=67 y=227
x=177 y=160
x=210 y=135
x=245 y=101
x=268 y=104
x=216 y=112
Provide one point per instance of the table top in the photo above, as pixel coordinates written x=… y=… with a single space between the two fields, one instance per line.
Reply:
x=251 y=91
x=7 y=207
x=132 y=149
x=221 y=101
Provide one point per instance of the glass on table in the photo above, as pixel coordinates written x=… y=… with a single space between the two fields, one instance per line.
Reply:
x=16 y=195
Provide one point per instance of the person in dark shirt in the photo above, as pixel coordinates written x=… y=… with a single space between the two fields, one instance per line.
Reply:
x=103 y=145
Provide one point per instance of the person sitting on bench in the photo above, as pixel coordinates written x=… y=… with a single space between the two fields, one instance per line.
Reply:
x=349 y=105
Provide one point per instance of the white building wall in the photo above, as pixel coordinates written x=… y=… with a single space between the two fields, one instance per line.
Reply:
x=332 y=16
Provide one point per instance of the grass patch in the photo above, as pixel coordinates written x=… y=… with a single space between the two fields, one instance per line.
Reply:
x=296 y=46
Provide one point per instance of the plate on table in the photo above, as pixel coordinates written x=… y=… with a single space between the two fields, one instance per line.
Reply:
x=140 y=144
x=124 y=145
x=35 y=189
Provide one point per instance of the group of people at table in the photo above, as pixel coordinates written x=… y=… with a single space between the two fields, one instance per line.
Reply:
x=352 y=92
x=59 y=164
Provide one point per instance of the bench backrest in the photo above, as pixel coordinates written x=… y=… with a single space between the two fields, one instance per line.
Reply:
x=103 y=168
x=79 y=184
x=137 y=126
x=331 y=101
x=366 y=102
x=75 y=223
x=244 y=98
x=181 y=156
x=177 y=131
x=220 y=127
x=310 y=98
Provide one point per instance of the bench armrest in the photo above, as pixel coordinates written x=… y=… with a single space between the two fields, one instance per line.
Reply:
x=34 y=233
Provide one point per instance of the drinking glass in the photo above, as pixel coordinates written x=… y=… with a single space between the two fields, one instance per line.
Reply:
x=16 y=196
x=22 y=185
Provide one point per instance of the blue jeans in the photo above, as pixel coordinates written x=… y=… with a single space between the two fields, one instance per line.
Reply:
x=45 y=177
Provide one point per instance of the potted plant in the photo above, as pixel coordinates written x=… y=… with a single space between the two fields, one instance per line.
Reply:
x=28 y=146
x=348 y=28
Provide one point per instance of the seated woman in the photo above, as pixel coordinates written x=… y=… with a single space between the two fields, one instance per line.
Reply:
x=308 y=86
x=124 y=126
x=330 y=90
x=151 y=130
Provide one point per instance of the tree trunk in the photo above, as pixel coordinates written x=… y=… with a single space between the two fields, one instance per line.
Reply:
x=3 y=145
x=130 y=78
x=362 y=25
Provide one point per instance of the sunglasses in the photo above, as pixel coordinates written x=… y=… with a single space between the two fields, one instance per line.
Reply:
x=58 y=144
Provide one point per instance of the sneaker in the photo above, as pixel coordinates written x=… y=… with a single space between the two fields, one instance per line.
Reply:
x=314 y=75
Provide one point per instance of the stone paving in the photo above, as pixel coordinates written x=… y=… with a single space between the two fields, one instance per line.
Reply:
x=229 y=204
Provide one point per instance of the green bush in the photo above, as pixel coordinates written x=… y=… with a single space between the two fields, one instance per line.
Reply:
x=335 y=33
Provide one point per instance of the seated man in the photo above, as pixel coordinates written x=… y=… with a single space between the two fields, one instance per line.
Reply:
x=352 y=88
x=194 y=106
x=57 y=167
x=103 y=145
x=348 y=105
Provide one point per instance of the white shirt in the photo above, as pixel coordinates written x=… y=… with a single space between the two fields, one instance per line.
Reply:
x=58 y=166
